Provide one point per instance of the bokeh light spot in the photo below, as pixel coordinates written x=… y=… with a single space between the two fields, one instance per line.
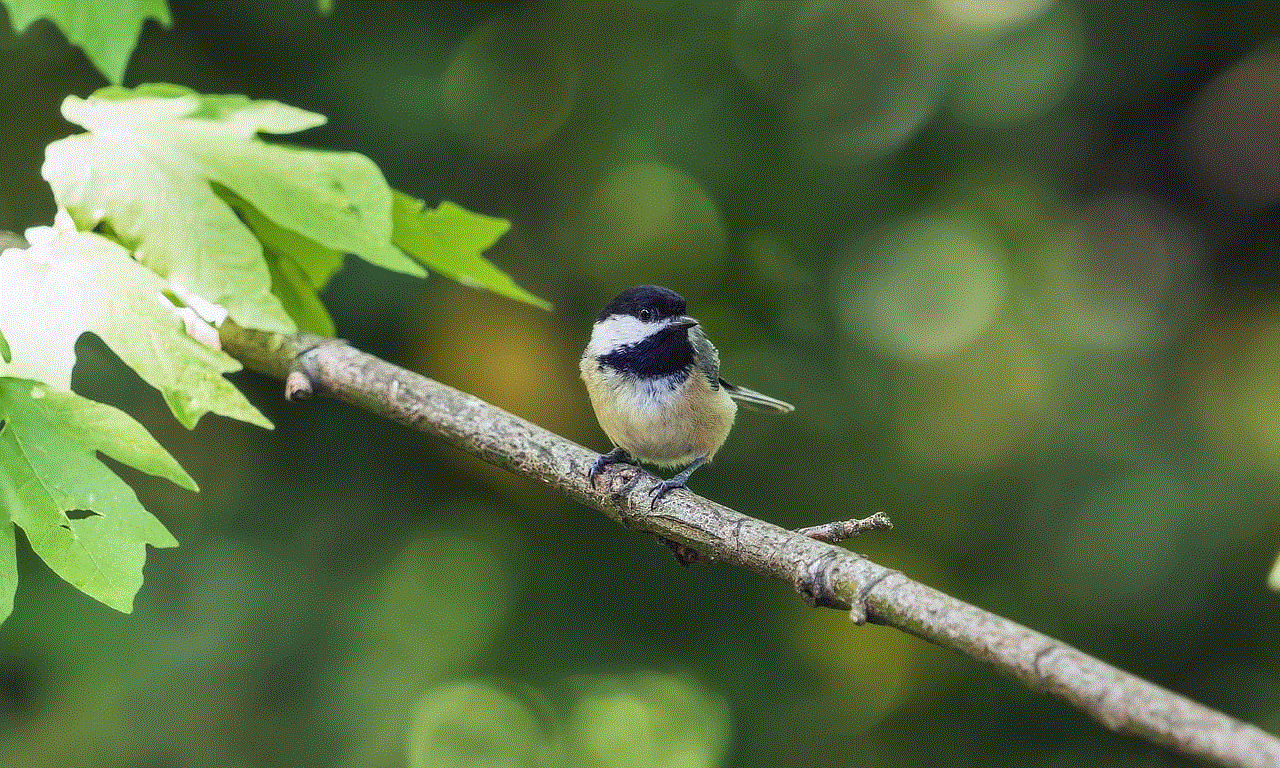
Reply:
x=1235 y=370
x=1232 y=134
x=472 y=723
x=977 y=408
x=987 y=15
x=648 y=719
x=649 y=222
x=1121 y=276
x=875 y=672
x=854 y=81
x=508 y=88
x=928 y=287
x=1023 y=74
x=1149 y=511
x=421 y=618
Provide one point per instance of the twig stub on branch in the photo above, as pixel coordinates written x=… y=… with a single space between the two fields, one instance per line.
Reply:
x=840 y=530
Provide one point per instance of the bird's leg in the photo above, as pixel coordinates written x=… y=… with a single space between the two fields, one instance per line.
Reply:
x=679 y=481
x=616 y=456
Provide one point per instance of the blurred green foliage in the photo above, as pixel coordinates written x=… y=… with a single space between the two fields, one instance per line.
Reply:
x=103 y=29
x=1013 y=261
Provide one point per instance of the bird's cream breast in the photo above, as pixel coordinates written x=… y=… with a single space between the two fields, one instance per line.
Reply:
x=656 y=422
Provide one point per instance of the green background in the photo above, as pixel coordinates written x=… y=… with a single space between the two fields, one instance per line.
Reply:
x=1015 y=263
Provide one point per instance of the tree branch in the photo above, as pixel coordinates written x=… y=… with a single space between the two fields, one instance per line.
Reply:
x=842 y=530
x=825 y=574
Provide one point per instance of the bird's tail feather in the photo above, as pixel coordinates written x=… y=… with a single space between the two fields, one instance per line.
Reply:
x=756 y=401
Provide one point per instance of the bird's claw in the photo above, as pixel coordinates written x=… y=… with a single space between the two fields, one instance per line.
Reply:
x=599 y=464
x=663 y=488
x=616 y=456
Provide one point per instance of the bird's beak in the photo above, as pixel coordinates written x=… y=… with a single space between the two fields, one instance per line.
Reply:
x=684 y=321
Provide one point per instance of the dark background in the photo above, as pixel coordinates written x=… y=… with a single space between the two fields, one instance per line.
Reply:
x=1014 y=262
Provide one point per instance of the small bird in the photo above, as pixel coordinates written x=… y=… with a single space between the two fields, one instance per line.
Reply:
x=654 y=381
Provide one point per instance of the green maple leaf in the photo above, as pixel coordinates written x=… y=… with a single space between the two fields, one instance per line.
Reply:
x=48 y=468
x=299 y=266
x=106 y=30
x=449 y=239
x=148 y=164
x=69 y=282
x=183 y=180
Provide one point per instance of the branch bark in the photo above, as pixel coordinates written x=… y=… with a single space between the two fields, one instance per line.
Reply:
x=824 y=574
x=843 y=530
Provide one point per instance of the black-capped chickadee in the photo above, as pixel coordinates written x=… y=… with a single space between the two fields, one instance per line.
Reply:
x=654 y=381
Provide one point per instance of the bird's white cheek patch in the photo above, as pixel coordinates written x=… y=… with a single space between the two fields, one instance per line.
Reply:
x=617 y=331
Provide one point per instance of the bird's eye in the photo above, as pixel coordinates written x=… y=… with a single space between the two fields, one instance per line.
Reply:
x=645 y=315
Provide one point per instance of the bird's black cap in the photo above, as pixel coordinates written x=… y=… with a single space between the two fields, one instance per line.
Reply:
x=661 y=303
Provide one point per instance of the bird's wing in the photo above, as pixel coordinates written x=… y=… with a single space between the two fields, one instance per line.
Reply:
x=705 y=353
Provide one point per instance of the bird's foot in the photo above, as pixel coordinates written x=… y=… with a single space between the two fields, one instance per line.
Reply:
x=616 y=456
x=664 y=487
x=679 y=481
